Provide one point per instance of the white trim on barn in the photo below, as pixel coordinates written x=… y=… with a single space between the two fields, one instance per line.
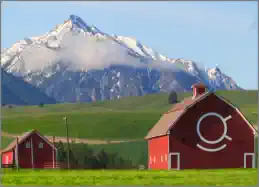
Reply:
x=187 y=108
x=53 y=158
x=46 y=140
x=253 y=159
x=32 y=155
x=168 y=152
x=249 y=124
x=255 y=143
x=56 y=161
x=149 y=161
x=239 y=112
x=16 y=152
x=178 y=160
x=219 y=97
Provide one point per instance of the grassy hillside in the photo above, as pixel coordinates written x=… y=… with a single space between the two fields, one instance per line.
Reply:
x=127 y=118
x=5 y=141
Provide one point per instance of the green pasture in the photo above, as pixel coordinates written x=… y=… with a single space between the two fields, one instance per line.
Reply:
x=5 y=141
x=225 y=177
x=126 y=118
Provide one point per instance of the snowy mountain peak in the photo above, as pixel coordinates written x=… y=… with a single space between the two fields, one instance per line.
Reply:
x=77 y=22
x=76 y=58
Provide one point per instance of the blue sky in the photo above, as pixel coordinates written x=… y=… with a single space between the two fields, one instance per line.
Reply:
x=223 y=33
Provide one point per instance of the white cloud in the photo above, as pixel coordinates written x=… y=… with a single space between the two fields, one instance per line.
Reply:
x=83 y=52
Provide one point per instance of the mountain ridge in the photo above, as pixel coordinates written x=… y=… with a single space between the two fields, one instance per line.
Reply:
x=17 y=92
x=75 y=61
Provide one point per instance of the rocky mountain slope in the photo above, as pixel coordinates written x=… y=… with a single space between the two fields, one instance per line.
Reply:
x=78 y=62
x=17 y=92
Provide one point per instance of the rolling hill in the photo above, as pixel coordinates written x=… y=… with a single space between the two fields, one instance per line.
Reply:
x=126 y=118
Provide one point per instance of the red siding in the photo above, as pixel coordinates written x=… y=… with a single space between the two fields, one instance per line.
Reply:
x=183 y=137
x=158 y=152
x=24 y=155
x=8 y=158
x=41 y=156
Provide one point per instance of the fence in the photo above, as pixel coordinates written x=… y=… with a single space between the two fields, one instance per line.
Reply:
x=61 y=165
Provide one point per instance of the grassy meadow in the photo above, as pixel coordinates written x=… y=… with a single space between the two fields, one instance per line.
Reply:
x=5 y=141
x=126 y=118
x=226 y=177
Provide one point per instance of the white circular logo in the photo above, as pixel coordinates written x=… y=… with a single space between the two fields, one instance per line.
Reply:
x=224 y=135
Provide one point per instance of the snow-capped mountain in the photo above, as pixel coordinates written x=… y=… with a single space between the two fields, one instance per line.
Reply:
x=78 y=62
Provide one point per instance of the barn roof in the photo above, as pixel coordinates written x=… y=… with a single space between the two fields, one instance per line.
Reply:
x=164 y=124
x=23 y=137
x=167 y=121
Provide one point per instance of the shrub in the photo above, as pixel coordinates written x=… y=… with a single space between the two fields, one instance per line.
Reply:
x=85 y=158
x=41 y=105
x=172 y=99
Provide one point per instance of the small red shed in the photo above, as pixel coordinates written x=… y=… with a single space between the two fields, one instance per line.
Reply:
x=204 y=131
x=33 y=151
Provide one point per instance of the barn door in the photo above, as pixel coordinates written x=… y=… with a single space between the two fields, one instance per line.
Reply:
x=249 y=160
x=174 y=161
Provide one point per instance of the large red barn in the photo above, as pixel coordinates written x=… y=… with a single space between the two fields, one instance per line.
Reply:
x=204 y=131
x=33 y=151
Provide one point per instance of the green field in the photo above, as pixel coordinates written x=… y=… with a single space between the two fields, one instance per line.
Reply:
x=5 y=141
x=226 y=177
x=127 y=118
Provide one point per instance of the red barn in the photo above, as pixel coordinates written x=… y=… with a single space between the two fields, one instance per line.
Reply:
x=33 y=151
x=202 y=132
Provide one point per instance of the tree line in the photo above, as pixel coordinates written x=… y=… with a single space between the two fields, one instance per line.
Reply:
x=84 y=157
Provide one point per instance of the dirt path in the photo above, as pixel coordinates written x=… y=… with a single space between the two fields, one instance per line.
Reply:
x=74 y=140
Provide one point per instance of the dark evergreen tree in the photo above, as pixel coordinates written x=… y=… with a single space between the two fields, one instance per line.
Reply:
x=62 y=155
x=172 y=99
x=103 y=158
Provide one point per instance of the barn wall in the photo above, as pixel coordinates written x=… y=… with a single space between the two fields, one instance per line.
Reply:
x=7 y=158
x=158 y=152
x=24 y=155
x=184 y=137
x=41 y=156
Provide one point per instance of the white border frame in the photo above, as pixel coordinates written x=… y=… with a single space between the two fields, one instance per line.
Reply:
x=253 y=159
x=178 y=160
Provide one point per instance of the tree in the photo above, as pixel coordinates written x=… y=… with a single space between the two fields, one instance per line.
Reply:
x=172 y=99
x=103 y=158
x=41 y=104
x=61 y=156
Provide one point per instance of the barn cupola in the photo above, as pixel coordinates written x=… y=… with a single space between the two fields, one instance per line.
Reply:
x=198 y=89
